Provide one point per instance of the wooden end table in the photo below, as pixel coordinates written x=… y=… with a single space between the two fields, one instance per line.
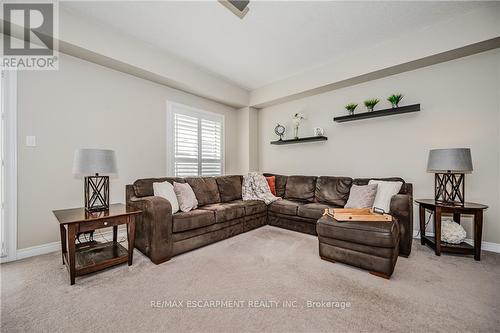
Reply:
x=88 y=257
x=438 y=209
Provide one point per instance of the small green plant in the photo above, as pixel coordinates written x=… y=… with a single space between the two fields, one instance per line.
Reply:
x=370 y=103
x=394 y=99
x=351 y=107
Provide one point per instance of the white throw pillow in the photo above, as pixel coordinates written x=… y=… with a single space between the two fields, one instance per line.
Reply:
x=166 y=190
x=385 y=191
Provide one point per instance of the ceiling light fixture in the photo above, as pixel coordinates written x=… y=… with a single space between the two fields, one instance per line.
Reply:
x=237 y=7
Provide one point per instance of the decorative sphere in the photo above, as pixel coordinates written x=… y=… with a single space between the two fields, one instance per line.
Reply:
x=279 y=130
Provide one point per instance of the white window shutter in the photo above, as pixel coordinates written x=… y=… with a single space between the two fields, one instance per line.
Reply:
x=197 y=146
x=211 y=142
x=185 y=145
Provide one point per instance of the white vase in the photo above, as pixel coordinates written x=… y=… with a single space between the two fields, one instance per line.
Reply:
x=296 y=124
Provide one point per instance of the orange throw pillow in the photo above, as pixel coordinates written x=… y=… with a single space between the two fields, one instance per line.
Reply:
x=271 y=181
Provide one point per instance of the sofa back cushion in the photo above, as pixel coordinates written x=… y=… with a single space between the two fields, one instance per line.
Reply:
x=300 y=188
x=405 y=189
x=205 y=189
x=333 y=190
x=144 y=187
x=280 y=183
x=229 y=187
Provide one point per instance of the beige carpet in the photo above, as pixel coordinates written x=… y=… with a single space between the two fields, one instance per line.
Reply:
x=264 y=267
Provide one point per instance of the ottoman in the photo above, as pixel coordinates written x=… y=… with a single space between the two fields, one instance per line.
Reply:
x=373 y=246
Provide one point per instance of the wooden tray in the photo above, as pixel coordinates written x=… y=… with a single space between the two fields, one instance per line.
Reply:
x=356 y=214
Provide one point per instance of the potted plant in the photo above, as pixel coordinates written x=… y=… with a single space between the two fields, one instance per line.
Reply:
x=394 y=99
x=297 y=118
x=370 y=103
x=351 y=107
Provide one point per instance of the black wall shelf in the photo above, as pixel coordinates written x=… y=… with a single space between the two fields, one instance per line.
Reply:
x=378 y=113
x=300 y=140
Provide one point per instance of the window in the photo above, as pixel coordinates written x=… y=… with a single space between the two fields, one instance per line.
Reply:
x=194 y=142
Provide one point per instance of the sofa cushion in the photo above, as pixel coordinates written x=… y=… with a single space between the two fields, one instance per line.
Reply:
x=229 y=187
x=280 y=183
x=284 y=206
x=226 y=211
x=144 y=187
x=374 y=233
x=252 y=206
x=312 y=210
x=205 y=189
x=197 y=218
x=333 y=190
x=300 y=188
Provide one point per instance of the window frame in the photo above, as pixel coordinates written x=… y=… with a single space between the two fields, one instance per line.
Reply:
x=8 y=107
x=199 y=114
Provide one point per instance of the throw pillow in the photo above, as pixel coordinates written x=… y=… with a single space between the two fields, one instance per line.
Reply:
x=385 y=191
x=361 y=196
x=166 y=190
x=271 y=181
x=185 y=196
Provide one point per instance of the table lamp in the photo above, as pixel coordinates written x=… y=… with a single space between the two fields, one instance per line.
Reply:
x=450 y=167
x=96 y=165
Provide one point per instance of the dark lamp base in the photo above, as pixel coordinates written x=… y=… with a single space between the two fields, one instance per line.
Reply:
x=449 y=188
x=96 y=192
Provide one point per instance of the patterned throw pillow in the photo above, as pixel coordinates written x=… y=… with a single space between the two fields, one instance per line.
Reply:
x=271 y=181
x=361 y=196
x=185 y=197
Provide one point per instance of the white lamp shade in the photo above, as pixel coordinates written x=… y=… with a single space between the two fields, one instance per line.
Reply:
x=94 y=161
x=456 y=160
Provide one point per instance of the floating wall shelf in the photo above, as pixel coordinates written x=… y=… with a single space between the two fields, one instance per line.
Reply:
x=299 y=140
x=378 y=113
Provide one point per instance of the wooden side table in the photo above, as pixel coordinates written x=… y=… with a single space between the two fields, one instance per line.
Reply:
x=438 y=209
x=88 y=257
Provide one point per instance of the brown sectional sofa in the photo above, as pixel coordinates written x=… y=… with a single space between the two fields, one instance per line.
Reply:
x=222 y=213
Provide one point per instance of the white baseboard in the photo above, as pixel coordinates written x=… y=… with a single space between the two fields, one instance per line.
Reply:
x=56 y=246
x=38 y=250
x=485 y=246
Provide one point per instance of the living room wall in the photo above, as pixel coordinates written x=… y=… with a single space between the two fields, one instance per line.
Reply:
x=83 y=105
x=460 y=108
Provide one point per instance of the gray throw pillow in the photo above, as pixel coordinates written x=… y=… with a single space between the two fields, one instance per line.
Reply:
x=362 y=196
x=185 y=197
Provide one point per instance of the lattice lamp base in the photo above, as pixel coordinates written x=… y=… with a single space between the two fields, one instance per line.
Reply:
x=96 y=191
x=450 y=188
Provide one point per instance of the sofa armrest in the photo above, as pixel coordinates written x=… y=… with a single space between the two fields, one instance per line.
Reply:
x=402 y=211
x=153 y=227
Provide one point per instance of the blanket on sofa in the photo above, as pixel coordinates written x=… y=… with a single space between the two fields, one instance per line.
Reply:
x=255 y=187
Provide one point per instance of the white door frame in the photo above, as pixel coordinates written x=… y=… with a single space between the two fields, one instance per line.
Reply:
x=9 y=111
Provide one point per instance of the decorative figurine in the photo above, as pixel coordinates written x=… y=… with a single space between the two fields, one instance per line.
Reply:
x=279 y=130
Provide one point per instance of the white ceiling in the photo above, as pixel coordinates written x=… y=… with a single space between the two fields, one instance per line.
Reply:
x=275 y=40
